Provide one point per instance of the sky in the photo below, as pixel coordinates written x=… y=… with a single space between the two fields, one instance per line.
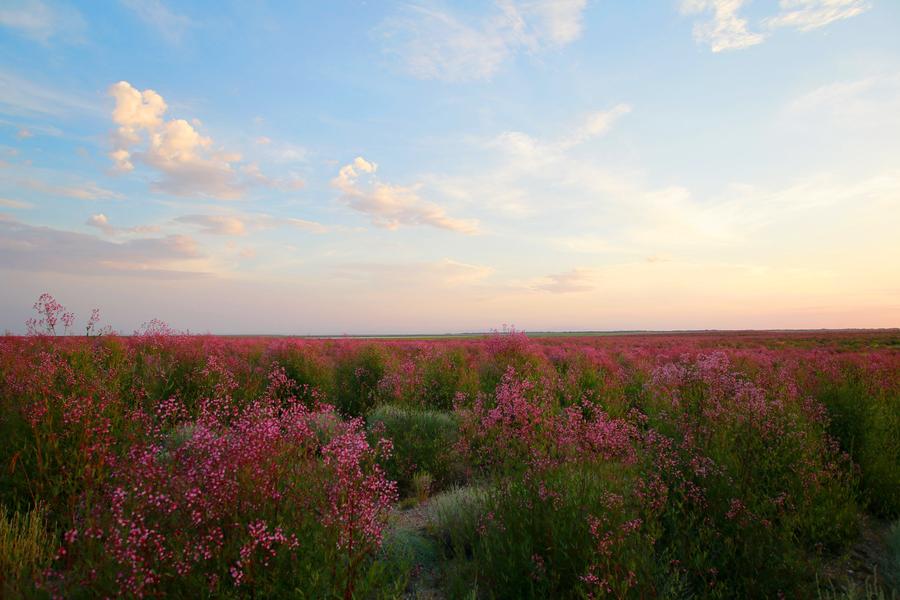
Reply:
x=353 y=167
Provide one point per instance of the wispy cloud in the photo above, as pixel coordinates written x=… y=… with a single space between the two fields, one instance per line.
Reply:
x=44 y=249
x=874 y=96
x=436 y=43
x=845 y=111
x=806 y=15
x=519 y=169
x=442 y=273
x=16 y=204
x=239 y=223
x=573 y=281
x=42 y=21
x=215 y=224
x=20 y=96
x=392 y=206
x=726 y=29
x=101 y=221
x=155 y=13
x=81 y=190
x=535 y=151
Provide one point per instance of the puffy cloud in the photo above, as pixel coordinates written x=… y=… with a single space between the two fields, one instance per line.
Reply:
x=439 y=44
x=391 y=206
x=26 y=247
x=122 y=159
x=187 y=161
x=725 y=30
x=101 y=222
x=136 y=111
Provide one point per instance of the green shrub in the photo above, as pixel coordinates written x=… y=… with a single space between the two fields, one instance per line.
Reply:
x=356 y=378
x=867 y=424
x=423 y=442
x=541 y=536
x=305 y=367
x=443 y=375
x=454 y=516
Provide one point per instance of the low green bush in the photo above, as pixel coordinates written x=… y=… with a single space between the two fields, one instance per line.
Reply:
x=866 y=421
x=423 y=443
x=567 y=532
x=357 y=375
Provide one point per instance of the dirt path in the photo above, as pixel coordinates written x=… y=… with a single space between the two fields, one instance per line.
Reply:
x=864 y=562
x=411 y=526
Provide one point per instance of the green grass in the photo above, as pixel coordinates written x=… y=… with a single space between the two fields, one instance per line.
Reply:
x=26 y=547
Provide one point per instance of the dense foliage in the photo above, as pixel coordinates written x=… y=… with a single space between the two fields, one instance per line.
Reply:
x=675 y=466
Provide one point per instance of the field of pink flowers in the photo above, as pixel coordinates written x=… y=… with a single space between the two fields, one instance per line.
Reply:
x=506 y=466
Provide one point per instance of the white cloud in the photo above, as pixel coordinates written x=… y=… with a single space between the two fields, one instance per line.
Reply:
x=20 y=96
x=239 y=224
x=101 y=221
x=188 y=162
x=726 y=30
x=42 y=21
x=305 y=225
x=806 y=15
x=859 y=111
x=873 y=97
x=441 y=273
x=573 y=281
x=216 y=224
x=439 y=44
x=597 y=124
x=34 y=249
x=81 y=191
x=517 y=170
x=18 y=204
x=155 y=13
x=391 y=206
x=536 y=152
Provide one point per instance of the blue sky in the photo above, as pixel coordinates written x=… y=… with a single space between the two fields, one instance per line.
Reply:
x=373 y=167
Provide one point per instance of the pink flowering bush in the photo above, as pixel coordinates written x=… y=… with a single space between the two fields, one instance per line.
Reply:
x=259 y=501
x=706 y=465
x=523 y=427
